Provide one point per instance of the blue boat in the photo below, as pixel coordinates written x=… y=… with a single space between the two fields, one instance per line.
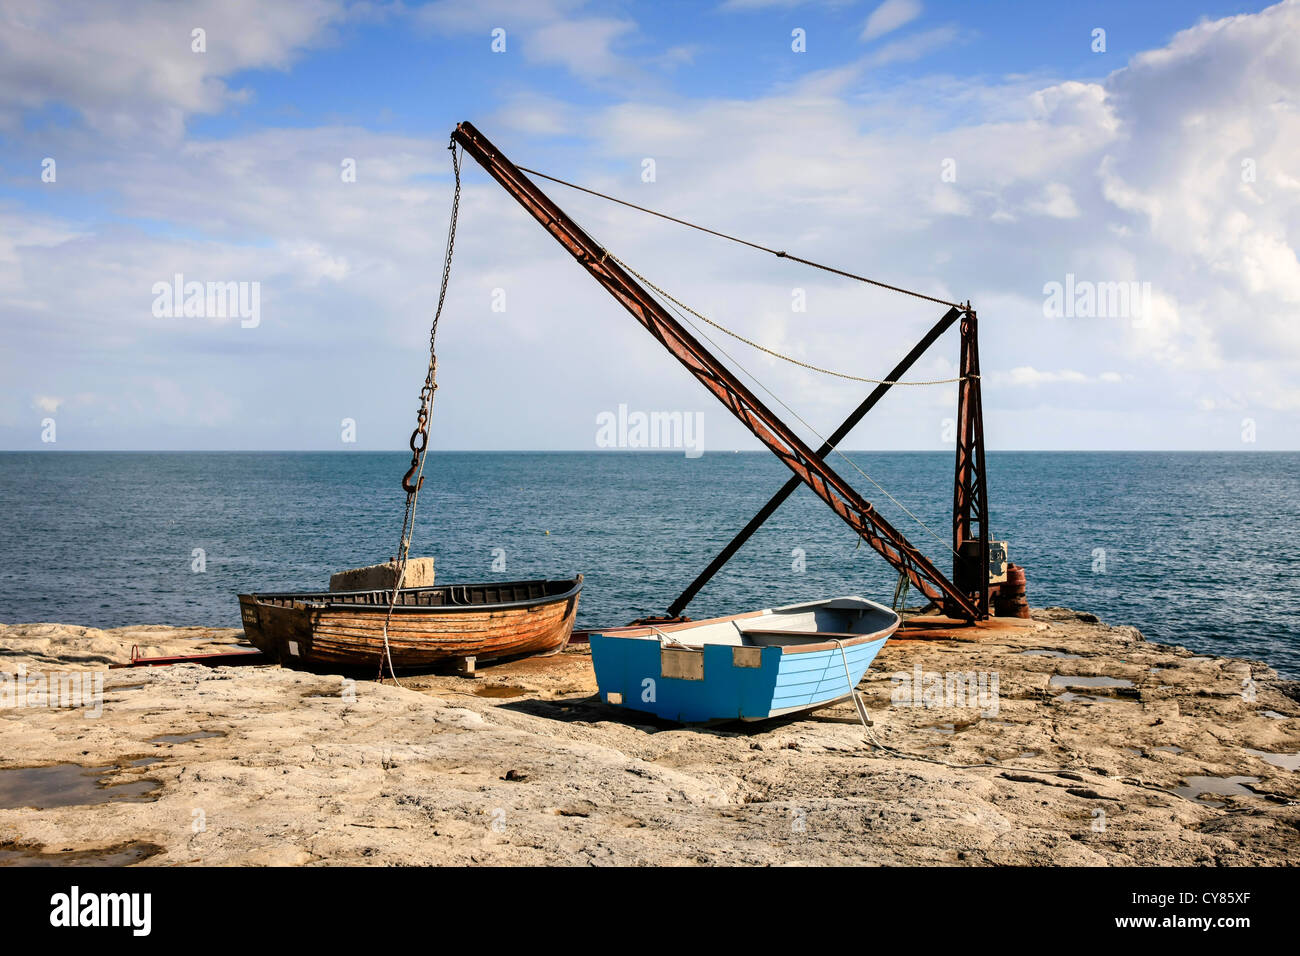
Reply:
x=746 y=667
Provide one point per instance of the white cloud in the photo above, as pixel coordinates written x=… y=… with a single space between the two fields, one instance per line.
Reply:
x=1134 y=177
x=910 y=48
x=481 y=16
x=129 y=67
x=584 y=47
x=536 y=115
x=1028 y=376
x=889 y=16
x=676 y=56
x=745 y=5
x=1190 y=116
x=1055 y=201
x=549 y=33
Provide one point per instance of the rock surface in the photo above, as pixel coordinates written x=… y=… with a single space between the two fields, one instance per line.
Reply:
x=261 y=765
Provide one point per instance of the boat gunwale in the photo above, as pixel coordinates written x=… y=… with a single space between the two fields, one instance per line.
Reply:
x=839 y=639
x=319 y=600
x=844 y=639
x=643 y=630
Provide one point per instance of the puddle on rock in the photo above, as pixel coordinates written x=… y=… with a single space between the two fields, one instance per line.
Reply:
x=1134 y=751
x=501 y=691
x=953 y=728
x=1169 y=749
x=1062 y=680
x=1092 y=698
x=184 y=738
x=1059 y=655
x=70 y=785
x=1285 y=761
x=125 y=854
x=1275 y=715
x=1197 y=788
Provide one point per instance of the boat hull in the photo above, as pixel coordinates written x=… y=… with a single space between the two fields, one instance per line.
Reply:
x=736 y=680
x=346 y=630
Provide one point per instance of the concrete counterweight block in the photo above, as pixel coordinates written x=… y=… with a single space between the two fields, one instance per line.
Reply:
x=419 y=574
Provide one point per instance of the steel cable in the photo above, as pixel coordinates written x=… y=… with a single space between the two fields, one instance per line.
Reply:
x=779 y=253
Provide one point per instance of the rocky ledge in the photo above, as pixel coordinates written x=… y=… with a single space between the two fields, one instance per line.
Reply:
x=1058 y=740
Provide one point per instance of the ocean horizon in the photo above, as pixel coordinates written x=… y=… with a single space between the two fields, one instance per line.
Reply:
x=1189 y=547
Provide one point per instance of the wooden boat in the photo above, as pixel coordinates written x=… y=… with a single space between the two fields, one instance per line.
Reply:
x=430 y=625
x=744 y=667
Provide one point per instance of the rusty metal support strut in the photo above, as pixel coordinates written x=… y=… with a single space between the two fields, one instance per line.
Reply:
x=809 y=467
x=677 y=607
x=970 y=504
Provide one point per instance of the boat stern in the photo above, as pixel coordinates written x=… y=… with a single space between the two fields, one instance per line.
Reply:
x=686 y=684
x=718 y=682
x=281 y=633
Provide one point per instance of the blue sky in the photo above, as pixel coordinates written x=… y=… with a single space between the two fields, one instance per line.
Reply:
x=406 y=75
x=981 y=151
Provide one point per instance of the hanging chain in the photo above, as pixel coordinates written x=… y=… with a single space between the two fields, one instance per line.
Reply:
x=419 y=443
x=421 y=433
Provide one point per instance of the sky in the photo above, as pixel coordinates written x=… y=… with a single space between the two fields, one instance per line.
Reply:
x=1115 y=187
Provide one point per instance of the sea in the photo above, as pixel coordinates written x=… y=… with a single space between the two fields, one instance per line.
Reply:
x=1193 y=548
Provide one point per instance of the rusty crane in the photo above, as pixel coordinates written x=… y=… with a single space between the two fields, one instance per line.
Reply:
x=967 y=593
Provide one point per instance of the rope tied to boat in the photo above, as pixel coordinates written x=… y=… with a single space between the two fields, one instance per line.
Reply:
x=900 y=591
x=413 y=480
x=665 y=637
x=853 y=690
